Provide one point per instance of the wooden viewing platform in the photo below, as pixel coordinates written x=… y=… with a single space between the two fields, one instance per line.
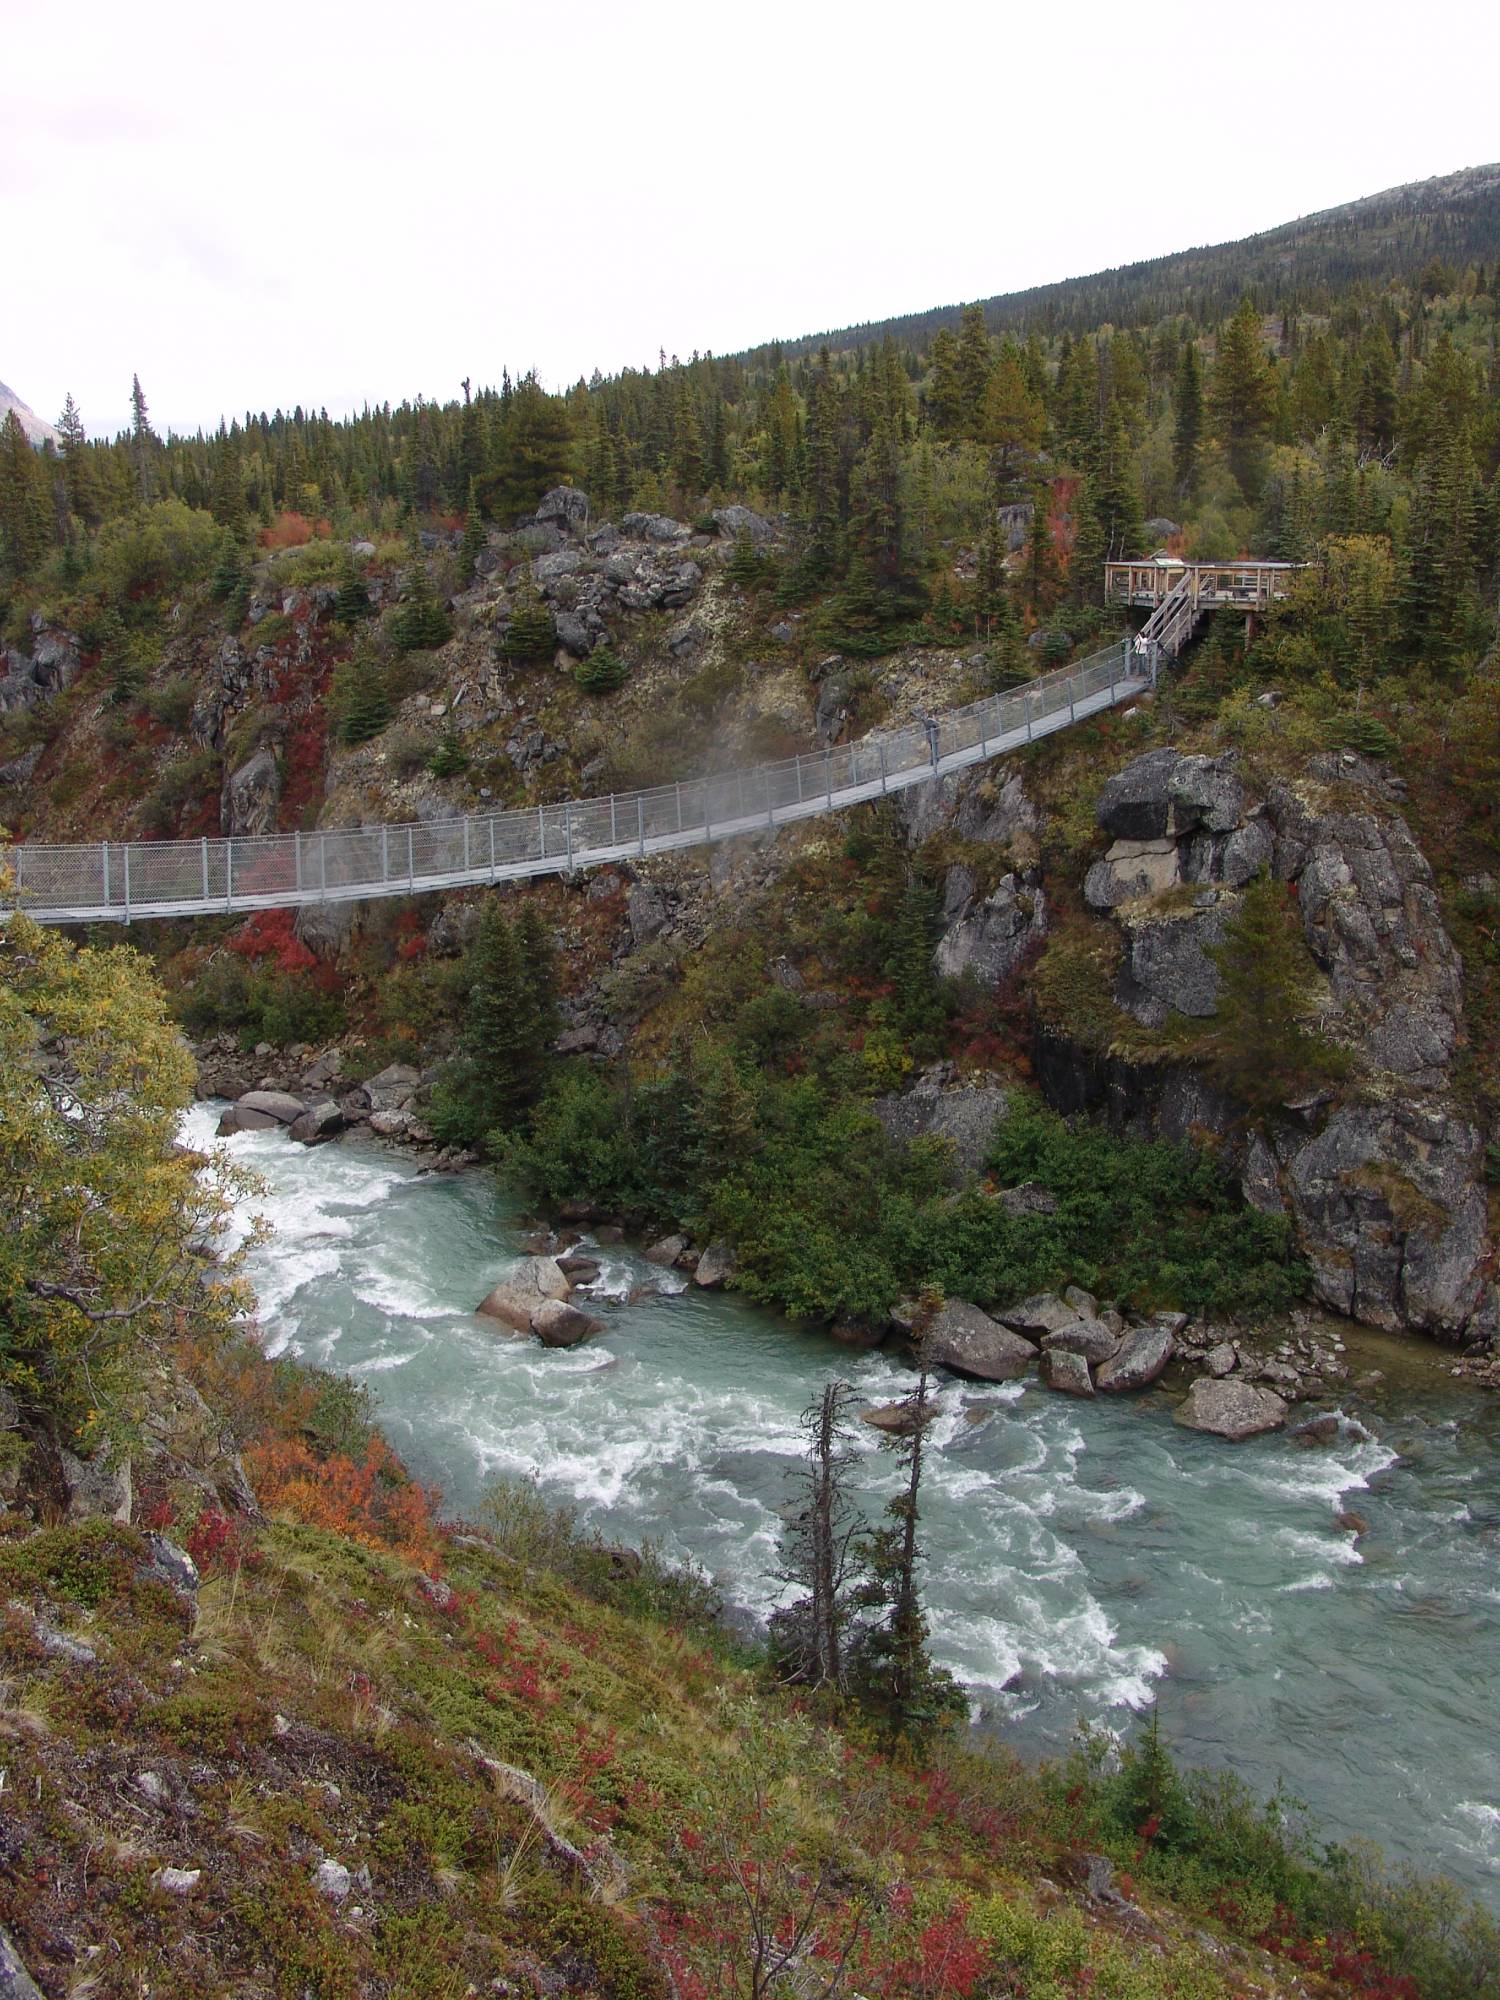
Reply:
x=1244 y=586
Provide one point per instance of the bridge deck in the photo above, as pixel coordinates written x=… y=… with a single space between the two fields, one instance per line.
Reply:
x=179 y=878
x=1210 y=586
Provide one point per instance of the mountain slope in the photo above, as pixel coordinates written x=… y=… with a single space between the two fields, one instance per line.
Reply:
x=1453 y=219
x=31 y=423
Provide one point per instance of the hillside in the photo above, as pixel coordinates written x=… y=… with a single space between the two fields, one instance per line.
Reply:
x=37 y=431
x=1404 y=234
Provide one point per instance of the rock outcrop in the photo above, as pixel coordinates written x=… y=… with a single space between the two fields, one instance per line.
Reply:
x=969 y=1342
x=941 y=1105
x=1383 y=1183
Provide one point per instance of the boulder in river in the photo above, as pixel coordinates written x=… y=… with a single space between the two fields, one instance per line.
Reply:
x=1221 y=1359
x=1142 y=1357
x=532 y=1282
x=558 y=1324
x=969 y=1342
x=1043 y=1313
x=318 y=1122
x=897 y=1418
x=715 y=1265
x=1230 y=1409
x=258 y=1110
x=1066 y=1370
x=1090 y=1338
x=666 y=1250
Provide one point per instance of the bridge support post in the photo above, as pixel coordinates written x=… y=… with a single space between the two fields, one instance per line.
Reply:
x=1026 y=707
x=932 y=740
x=884 y=782
x=467 y=824
x=127 y=881
x=640 y=823
x=541 y=832
x=204 y=845
x=297 y=852
x=677 y=788
x=828 y=776
x=322 y=867
x=568 y=831
x=104 y=856
x=492 y=847
x=411 y=860
x=385 y=855
x=614 y=828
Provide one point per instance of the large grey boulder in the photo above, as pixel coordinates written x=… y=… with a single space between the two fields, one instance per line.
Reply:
x=1205 y=792
x=528 y=1286
x=320 y=1121
x=654 y=528
x=1066 y=1371
x=1230 y=1409
x=98 y=1488
x=1131 y=869
x=1041 y=1314
x=1167 y=969
x=251 y=795
x=1142 y=1356
x=968 y=1341
x=989 y=938
x=736 y=521
x=392 y=1089
x=1136 y=804
x=647 y=912
x=1088 y=1337
x=564 y=507
x=556 y=1323
x=714 y=1266
x=261 y=1110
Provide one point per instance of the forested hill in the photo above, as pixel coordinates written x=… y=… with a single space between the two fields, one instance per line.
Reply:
x=1416 y=232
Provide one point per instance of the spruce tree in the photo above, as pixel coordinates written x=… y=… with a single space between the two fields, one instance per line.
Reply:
x=421 y=622
x=820 y=1552
x=474 y=542
x=352 y=601
x=25 y=513
x=1187 y=422
x=892 y=1670
x=359 y=698
x=504 y=1040
x=1244 y=397
x=531 y=634
x=1041 y=567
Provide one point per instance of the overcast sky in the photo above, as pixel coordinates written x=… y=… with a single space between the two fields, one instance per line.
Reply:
x=282 y=203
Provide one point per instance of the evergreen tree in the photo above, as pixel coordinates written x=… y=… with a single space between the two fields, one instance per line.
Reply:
x=944 y=397
x=1244 y=397
x=892 y=1669
x=141 y=437
x=359 y=698
x=474 y=542
x=531 y=634
x=743 y=565
x=1187 y=422
x=25 y=513
x=820 y=1551
x=421 y=623
x=1010 y=422
x=534 y=453
x=78 y=471
x=974 y=361
x=506 y=1036
x=539 y=970
x=352 y=601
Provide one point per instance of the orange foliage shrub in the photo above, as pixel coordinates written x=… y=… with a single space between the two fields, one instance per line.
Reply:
x=375 y=1502
x=290 y=531
x=272 y=934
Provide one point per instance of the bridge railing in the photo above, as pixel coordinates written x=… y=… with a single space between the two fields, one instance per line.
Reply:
x=139 y=879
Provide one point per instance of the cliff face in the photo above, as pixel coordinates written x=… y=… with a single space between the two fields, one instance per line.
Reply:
x=1382 y=1177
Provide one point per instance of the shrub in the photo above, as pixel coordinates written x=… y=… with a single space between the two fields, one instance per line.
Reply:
x=531 y=634
x=171 y=704
x=291 y=531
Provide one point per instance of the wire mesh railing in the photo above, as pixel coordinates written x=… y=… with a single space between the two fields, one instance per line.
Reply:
x=134 y=880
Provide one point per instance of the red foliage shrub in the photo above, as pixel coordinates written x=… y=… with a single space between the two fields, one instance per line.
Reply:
x=272 y=934
x=372 y=1501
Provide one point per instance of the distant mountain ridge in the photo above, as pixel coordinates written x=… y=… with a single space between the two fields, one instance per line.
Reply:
x=1453 y=219
x=31 y=423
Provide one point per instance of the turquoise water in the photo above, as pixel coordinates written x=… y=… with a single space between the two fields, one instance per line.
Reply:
x=1083 y=1558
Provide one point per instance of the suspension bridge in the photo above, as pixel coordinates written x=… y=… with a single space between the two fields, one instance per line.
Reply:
x=132 y=881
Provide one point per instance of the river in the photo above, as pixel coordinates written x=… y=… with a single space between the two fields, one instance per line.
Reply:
x=1084 y=1558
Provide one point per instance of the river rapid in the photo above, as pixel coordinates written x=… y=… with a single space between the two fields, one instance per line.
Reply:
x=1084 y=1558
